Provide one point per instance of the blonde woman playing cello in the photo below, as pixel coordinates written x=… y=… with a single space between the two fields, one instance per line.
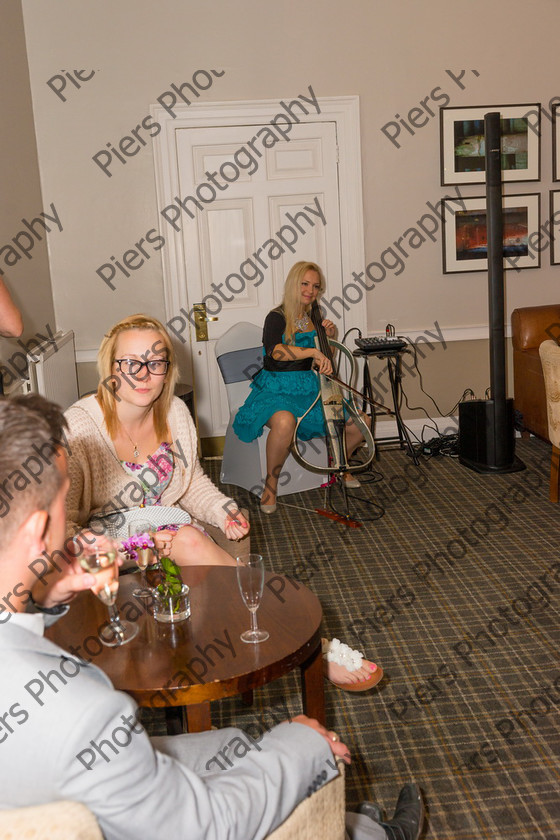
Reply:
x=287 y=385
x=283 y=391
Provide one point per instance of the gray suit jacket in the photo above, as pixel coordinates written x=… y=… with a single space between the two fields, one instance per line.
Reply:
x=65 y=733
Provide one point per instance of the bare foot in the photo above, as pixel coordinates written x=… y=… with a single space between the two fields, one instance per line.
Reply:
x=342 y=676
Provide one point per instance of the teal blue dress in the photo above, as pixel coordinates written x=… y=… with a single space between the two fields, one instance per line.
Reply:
x=273 y=391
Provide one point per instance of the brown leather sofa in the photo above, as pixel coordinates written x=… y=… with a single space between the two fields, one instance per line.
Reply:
x=531 y=326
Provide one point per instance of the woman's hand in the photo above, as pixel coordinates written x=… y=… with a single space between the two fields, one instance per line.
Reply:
x=236 y=526
x=164 y=541
x=330 y=328
x=322 y=364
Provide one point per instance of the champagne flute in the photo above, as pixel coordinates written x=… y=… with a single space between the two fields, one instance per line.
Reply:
x=250 y=579
x=102 y=562
x=141 y=529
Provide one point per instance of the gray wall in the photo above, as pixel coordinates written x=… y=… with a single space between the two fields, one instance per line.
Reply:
x=29 y=278
x=393 y=55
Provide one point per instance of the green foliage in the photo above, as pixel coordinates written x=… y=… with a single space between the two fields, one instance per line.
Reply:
x=171 y=583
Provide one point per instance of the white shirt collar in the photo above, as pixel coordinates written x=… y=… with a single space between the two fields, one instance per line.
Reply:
x=34 y=622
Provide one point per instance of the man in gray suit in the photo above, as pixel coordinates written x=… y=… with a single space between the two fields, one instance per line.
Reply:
x=59 y=715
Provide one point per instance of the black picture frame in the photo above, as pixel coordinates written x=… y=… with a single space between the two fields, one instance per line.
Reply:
x=554 y=209
x=555 y=144
x=462 y=146
x=464 y=233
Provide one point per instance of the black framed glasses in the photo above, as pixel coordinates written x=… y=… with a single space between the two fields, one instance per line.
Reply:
x=132 y=367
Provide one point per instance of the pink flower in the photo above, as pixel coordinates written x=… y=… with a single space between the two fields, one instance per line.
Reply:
x=130 y=545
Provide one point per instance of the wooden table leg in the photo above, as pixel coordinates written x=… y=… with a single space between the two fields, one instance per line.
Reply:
x=198 y=717
x=175 y=720
x=313 y=687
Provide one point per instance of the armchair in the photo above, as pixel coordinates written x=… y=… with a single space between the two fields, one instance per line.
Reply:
x=530 y=327
x=549 y=352
x=54 y=821
x=321 y=815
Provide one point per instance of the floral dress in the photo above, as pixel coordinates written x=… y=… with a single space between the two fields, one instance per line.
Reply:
x=160 y=467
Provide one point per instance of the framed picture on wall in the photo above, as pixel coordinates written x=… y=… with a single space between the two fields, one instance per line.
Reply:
x=465 y=246
x=555 y=143
x=463 y=146
x=554 y=215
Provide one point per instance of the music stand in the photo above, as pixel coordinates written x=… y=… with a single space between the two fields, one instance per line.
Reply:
x=394 y=368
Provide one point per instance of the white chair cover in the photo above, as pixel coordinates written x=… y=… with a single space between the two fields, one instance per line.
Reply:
x=239 y=353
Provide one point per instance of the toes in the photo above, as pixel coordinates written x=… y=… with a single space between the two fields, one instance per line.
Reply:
x=353 y=676
x=366 y=671
x=339 y=674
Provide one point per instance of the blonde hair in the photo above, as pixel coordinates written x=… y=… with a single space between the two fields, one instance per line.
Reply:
x=107 y=390
x=291 y=302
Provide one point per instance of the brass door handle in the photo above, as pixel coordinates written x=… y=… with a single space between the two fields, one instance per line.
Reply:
x=200 y=321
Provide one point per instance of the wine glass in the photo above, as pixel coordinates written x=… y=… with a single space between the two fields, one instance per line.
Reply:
x=145 y=550
x=101 y=561
x=250 y=579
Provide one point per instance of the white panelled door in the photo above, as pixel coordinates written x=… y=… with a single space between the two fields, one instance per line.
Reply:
x=236 y=252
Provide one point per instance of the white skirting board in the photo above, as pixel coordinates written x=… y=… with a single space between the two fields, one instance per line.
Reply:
x=418 y=428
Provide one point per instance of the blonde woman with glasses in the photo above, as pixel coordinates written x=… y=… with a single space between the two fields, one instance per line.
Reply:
x=133 y=448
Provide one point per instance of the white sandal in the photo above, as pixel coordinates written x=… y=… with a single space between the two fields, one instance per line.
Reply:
x=342 y=654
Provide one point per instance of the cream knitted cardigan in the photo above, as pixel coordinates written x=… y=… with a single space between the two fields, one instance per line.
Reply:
x=99 y=484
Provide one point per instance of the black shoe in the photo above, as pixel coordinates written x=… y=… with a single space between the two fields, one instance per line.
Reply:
x=408 y=818
x=371 y=810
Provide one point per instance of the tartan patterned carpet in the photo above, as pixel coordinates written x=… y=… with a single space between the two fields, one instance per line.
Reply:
x=455 y=591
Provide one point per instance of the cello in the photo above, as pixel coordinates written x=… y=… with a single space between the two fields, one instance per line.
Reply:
x=337 y=408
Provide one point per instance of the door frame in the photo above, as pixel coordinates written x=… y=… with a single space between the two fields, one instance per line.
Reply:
x=342 y=110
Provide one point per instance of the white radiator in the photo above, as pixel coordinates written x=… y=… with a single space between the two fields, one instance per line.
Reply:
x=52 y=372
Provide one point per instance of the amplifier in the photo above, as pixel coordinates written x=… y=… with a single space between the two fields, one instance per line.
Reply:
x=478 y=447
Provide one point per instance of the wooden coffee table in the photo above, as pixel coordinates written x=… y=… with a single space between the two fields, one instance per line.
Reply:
x=203 y=659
